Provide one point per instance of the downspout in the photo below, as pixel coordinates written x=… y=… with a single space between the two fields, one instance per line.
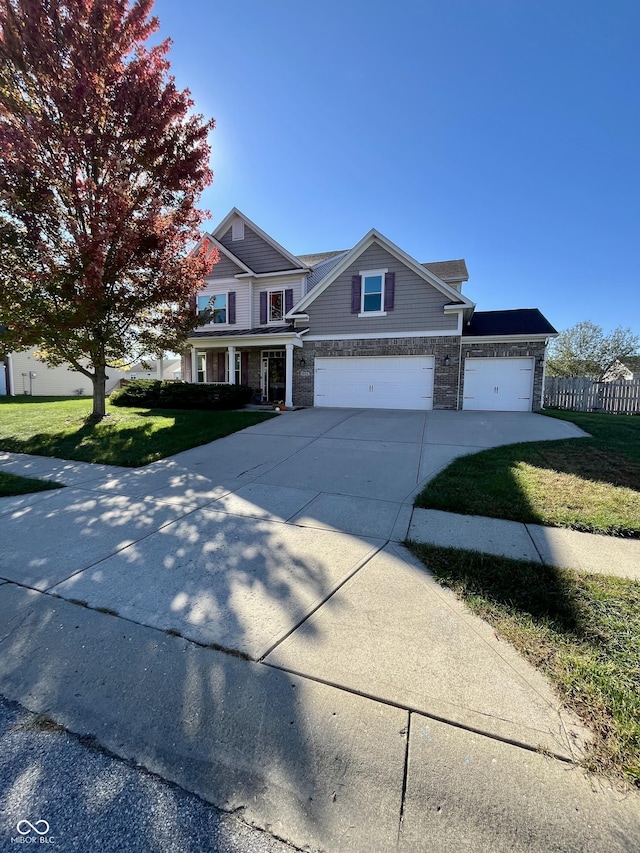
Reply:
x=10 y=386
x=458 y=395
x=544 y=374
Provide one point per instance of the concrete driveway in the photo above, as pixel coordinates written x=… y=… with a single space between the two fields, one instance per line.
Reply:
x=280 y=543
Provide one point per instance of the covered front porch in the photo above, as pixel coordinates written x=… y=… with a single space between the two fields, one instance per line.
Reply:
x=261 y=360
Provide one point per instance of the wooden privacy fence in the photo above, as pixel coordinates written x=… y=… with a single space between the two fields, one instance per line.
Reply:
x=587 y=395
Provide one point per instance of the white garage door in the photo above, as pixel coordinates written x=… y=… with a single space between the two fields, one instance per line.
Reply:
x=498 y=384
x=372 y=382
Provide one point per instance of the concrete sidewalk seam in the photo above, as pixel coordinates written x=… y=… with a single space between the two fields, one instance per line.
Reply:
x=533 y=541
x=359 y=565
x=429 y=715
x=469 y=620
x=405 y=778
x=120 y=550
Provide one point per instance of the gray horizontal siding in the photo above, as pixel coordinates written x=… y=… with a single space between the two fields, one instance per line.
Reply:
x=256 y=253
x=418 y=305
x=225 y=268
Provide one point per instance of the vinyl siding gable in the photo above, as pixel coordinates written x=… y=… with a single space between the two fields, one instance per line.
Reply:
x=418 y=306
x=255 y=252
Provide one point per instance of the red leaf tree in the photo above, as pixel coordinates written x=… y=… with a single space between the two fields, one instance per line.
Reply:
x=102 y=164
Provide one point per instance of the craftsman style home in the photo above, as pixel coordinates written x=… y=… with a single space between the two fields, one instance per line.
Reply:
x=367 y=327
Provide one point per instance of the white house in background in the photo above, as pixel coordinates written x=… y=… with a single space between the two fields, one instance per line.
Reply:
x=23 y=373
x=170 y=368
x=624 y=368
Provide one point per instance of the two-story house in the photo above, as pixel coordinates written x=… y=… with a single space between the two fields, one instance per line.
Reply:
x=366 y=327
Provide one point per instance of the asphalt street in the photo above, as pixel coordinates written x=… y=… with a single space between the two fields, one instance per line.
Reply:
x=91 y=800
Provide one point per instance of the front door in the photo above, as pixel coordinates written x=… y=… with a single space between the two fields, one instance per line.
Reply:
x=273 y=374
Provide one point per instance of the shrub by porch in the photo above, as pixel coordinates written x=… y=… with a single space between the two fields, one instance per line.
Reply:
x=182 y=395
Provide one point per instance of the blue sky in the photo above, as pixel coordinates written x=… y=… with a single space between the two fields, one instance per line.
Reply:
x=502 y=131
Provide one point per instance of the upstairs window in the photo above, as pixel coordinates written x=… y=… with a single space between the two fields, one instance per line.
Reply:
x=372 y=293
x=213 y=308
x=276 y=306
x=237 y=230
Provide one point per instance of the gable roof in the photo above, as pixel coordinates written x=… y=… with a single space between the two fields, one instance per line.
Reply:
x=319 y=257
x=631 y=362
x=519 y=321
x=345 y=260
x=223 y=227
x=449 y=270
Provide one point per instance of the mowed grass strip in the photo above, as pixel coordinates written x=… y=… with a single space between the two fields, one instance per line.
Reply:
x=581 y=630
x=589 y=484
x=130 y=437
x=12 y=484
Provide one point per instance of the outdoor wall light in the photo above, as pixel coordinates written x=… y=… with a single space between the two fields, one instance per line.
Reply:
x=446 y=361
x=302 y=361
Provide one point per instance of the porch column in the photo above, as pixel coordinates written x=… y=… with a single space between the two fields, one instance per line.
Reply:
x=194 y=364
x=288 y=376
x=232 y=364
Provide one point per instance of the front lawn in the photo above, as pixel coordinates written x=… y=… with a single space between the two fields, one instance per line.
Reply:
x=12 y=484
x=131 y=437
x=582 y=631
x=590 y=484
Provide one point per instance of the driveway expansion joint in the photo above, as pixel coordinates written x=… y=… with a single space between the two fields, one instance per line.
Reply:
x=439 y=718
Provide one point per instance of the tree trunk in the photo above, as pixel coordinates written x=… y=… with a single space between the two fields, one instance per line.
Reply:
x=99 y=380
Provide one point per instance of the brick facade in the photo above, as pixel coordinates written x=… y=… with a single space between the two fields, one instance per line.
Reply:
x=447 y=394
x=536 y=349
x=445 y=383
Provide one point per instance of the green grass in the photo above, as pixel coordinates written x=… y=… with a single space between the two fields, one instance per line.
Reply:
x=590 y=484
x=582 y=631
x=11 y=484
x=131 y=437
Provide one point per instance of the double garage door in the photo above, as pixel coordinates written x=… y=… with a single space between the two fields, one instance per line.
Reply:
x=498 y=384
x=372 y=382
x=406 y=382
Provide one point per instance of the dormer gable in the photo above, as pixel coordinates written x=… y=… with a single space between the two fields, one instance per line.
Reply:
x=246 y=241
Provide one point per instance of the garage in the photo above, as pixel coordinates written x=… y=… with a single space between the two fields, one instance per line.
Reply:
x=374 y=382
x=498 y=384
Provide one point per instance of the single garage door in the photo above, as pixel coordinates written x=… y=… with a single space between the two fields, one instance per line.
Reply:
x=498 y=384
x=372 y=382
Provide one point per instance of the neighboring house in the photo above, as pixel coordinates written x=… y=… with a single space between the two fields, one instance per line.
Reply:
x=25 y=374
x=169 y=368
x=624 y=368
x=367 y=327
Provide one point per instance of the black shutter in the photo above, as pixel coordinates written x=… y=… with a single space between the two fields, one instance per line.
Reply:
x=288 y=300
x=389 y=290
x=263 y=308
x=231 y=307
x=244 y=368
x=355 y=294
x=208 y=366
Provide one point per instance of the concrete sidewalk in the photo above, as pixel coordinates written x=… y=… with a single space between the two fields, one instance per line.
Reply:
x=588 y=552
